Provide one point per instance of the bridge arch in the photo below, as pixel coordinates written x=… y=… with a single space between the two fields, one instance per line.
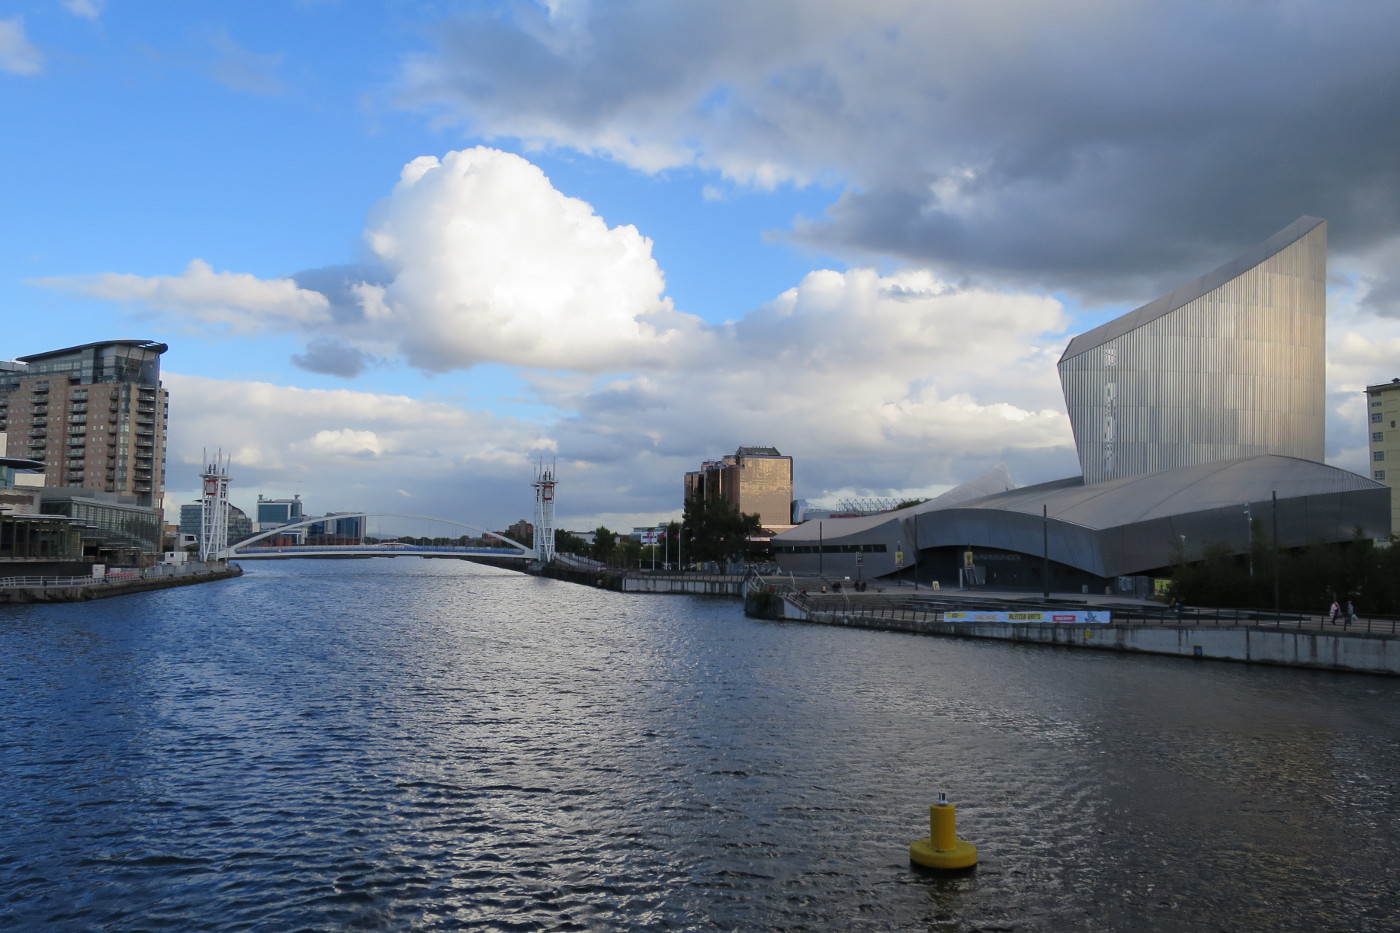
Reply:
x=235 y=549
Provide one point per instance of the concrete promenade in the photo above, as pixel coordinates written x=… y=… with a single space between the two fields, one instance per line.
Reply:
x=1291 y=639
x=117 y=583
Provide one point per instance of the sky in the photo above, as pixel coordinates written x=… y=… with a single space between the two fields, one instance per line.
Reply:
x=404 y=251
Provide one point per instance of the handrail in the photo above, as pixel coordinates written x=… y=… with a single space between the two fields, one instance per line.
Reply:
x=120 y=575
x=926 y=606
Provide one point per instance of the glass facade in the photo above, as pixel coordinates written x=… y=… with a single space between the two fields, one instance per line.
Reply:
x=117 y=533
x=32 y=538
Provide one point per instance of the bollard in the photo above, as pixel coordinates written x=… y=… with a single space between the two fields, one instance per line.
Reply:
x=943 y=850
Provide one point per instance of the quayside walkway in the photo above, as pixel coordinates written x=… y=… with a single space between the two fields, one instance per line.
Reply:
x=50 y=589
x=1369 y=644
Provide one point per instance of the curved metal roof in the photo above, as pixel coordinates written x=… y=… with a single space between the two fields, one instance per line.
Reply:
x=1176 y=492
x=154 y=345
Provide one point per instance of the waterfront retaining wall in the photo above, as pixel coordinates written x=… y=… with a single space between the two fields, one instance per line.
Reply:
x=690 y=583
x=101 y=589
x=1371 y=654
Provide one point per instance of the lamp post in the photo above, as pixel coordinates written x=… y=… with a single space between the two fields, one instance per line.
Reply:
x=1249 y=526
x=1277 y=556
x=821 y=552
x=1045 y=548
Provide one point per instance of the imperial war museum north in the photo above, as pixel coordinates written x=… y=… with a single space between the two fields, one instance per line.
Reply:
x=1198 y=420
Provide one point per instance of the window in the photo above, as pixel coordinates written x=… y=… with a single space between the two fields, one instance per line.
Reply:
x=1378 y=456
x=1379 y=474
x=1376 y=418
x=1377 y=436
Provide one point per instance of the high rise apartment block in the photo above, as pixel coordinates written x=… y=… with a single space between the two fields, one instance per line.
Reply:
x=1383 y=414
x=755 y=480
x=95 y=415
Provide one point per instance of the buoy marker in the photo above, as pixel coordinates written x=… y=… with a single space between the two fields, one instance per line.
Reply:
x=943 y=849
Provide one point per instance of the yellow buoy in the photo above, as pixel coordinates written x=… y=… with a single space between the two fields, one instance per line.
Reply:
x=943 y=849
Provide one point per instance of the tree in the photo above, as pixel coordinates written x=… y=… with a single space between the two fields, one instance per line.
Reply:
x=566 y=542
x=604 y=544
x=715 y=529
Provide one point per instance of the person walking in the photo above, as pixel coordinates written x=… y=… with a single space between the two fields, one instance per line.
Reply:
x=1351 y=615
x=1334 y=612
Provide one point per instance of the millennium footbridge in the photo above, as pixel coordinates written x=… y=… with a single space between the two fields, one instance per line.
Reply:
x=289 y=540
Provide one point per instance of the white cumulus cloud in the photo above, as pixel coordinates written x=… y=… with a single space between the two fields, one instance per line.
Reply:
x=489 y=262
x=240 y=302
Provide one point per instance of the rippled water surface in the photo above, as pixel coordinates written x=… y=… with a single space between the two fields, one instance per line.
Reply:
x=398 y=744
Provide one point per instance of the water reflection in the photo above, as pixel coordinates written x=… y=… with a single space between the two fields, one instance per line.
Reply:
x=396 y=744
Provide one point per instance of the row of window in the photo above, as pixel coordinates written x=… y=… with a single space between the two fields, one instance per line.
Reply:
x=829 y=549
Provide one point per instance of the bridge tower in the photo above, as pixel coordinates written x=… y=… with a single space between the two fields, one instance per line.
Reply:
x=544 y=512
x=213 y=522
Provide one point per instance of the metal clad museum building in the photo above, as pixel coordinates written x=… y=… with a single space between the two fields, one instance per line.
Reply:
x=1193 y=416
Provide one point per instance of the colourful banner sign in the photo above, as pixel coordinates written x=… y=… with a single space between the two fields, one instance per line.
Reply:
x=1051 y=617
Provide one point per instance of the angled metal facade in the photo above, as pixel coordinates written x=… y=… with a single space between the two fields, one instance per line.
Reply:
x=1231 y=365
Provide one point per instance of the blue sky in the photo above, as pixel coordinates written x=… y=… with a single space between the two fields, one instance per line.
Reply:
x=402 y=250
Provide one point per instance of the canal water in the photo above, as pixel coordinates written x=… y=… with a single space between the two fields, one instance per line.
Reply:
x=407 y=744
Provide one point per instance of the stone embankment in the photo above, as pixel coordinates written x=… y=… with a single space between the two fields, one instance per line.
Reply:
x=1369 y=646
x=118 y=583
x=641 y=581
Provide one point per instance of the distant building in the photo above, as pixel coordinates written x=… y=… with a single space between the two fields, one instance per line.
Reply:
x=755 y=480
x=337 y=528
x=1383 y=413
x=273 y=513
x=521 y=531
x=95 y=415
x=240 y=526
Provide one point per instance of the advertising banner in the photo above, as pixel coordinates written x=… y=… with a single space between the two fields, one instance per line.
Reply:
x=1051 y=616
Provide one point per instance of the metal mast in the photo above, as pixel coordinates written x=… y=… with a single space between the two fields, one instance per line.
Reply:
x=544 y=512
x=213 y=522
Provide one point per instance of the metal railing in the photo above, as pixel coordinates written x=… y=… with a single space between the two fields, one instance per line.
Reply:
x=158 y=572
x=891 y=604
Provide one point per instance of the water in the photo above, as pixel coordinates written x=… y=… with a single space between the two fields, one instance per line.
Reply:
x=402 y=744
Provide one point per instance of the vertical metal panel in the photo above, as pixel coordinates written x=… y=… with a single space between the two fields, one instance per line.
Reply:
x=1235 y=372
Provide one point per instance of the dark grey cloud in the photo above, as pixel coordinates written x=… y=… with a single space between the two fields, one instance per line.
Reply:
x=339 y=283
x=1110 y=150
x=333 y=358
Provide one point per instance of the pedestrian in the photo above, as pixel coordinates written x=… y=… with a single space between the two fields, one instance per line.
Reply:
x=1351 y=615
x=1335 y=612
